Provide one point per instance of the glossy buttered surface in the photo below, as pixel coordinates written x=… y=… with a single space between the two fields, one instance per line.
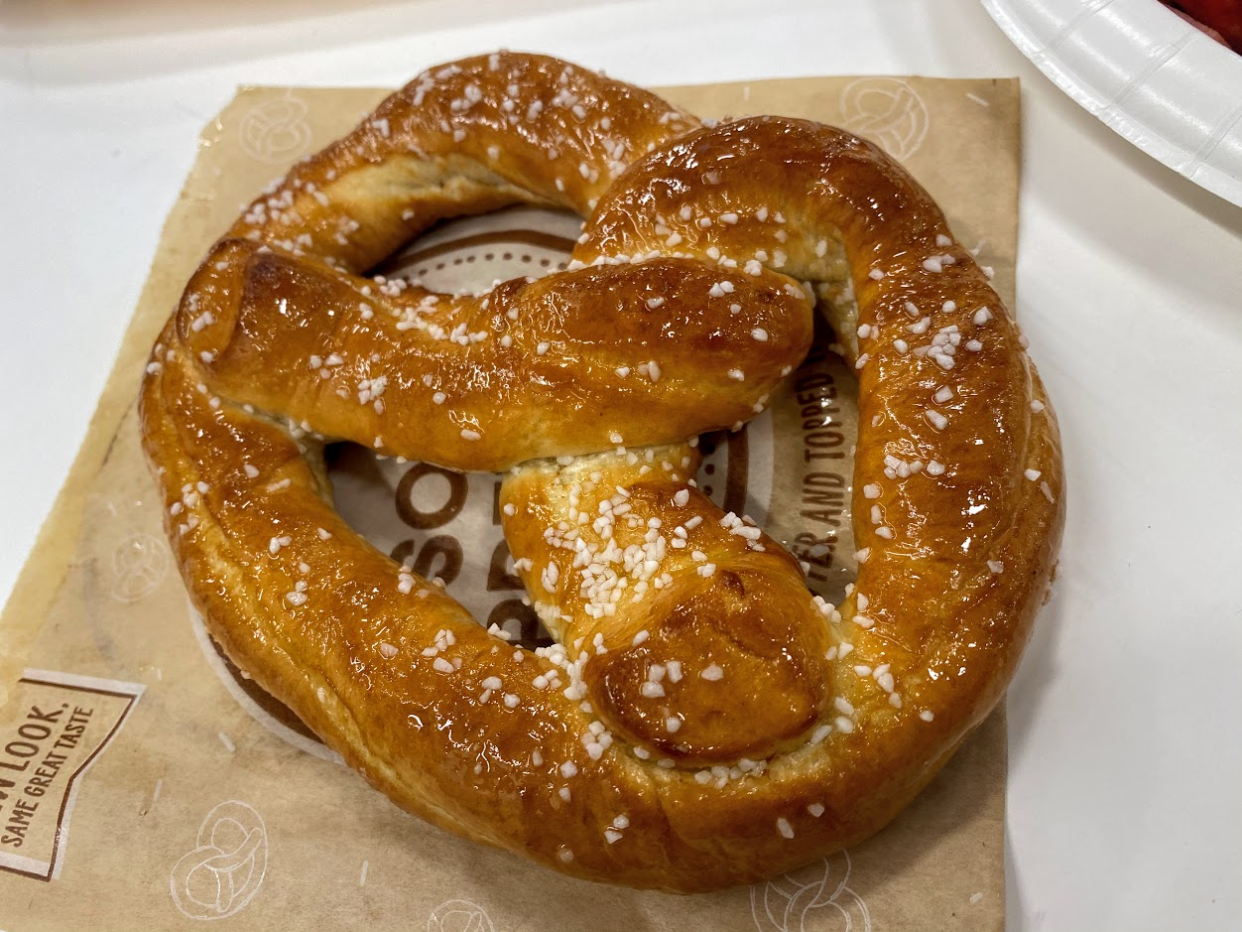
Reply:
x=571 y=363
x=702 y=720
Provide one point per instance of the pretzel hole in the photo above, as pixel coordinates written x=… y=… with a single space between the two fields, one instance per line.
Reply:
x=470 y=253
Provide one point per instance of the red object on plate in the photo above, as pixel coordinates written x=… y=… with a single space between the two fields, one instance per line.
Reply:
x=1222 y=17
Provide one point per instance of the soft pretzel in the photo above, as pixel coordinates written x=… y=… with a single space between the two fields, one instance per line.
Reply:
x=702 y=719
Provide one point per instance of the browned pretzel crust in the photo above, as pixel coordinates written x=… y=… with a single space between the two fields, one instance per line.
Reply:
x=703 y=720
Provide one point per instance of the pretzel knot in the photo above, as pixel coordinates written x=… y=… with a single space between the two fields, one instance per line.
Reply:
x=702 y=719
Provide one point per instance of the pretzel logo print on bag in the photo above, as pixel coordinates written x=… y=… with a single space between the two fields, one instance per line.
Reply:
x=888 y=111
x=459 y=916
x=226 y=868
x=817 y=898
x=139 y=565
x=700 y=719
x=275 y=131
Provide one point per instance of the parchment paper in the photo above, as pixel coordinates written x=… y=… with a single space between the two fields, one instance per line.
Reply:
x=193 y=796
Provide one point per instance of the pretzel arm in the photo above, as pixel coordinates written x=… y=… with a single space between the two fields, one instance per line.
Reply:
x=461 y=139
x=644 y=352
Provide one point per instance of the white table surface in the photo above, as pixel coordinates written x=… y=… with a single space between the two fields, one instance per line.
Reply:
x=1126 y=758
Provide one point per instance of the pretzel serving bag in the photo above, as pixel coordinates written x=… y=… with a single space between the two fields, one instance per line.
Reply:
x=146 y=782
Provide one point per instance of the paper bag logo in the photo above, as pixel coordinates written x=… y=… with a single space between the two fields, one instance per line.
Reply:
x=459 y=916
x=814 y=899
x=887 y=111
x=52 y=731
x=226 y=868
x=139 y=564
x=276 y=131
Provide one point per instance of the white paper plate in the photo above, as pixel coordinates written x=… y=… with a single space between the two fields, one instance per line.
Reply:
x=1151 y=76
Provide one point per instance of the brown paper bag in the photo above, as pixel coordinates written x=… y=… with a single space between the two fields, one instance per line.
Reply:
x=193 y=796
